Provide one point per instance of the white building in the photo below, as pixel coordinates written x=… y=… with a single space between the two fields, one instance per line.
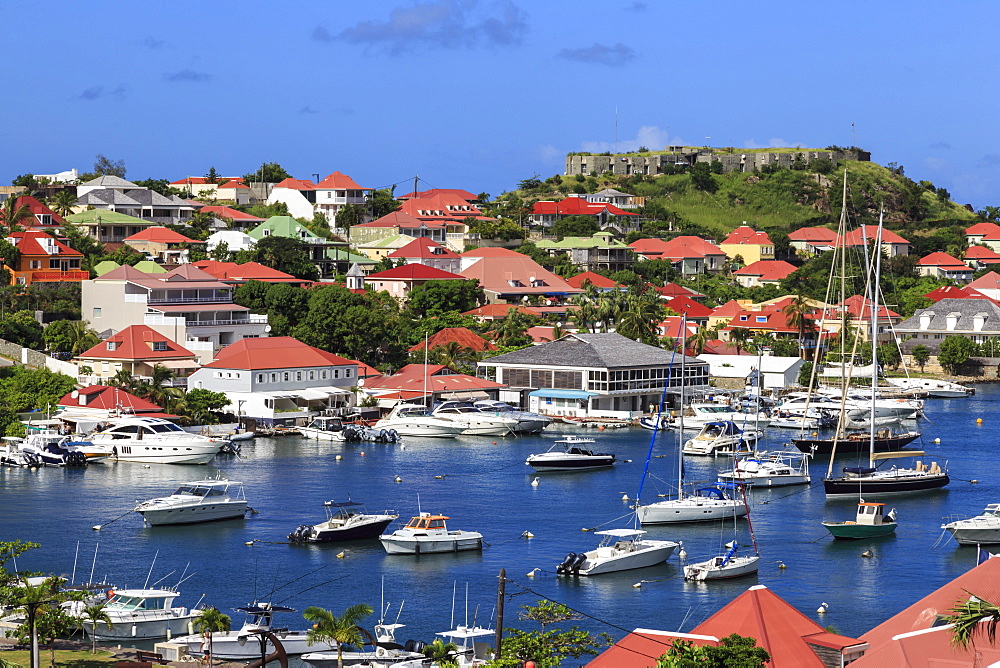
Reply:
x=778 y=371
x=279 y=380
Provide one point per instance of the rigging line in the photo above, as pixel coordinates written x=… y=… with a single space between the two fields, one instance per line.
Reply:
x=311 y=588
x=597 y=526
x=785 y=496
x=658 y=416
x=273 y=591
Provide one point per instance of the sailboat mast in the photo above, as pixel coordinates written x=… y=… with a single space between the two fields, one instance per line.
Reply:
x=874 y=335
x=680 y=432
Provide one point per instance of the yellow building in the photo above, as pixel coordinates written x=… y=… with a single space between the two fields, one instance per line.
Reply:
x=749 y=244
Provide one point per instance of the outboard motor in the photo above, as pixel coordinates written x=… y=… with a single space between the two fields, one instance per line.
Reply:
x=567 y=564
x=580 y=558
x=301 y=534
x=394 y=435
x=75 y=458
x=418 y=646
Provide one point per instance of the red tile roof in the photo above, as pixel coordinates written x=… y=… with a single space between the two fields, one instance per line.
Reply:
x=454 y=192
x=814 y=235
x=577 y=206
x=500 y=310
x=747 y=235
x=135 y=342
x=104 y=397
x=414 y=272
x=867 y=233
x=671 y=327
x=930 y=648
x=441 y=206
x=162 y=235
x=339 y=181
x=774 y=319
x=402 y=220
x=498 y=268
x=954 y=292
x=982 y=254
x=941 y=259
x=730 y=309
x=296 y=184
x=365 y=370
x=860 y=308
x=37 y=208
x=30 y=242
x=461 y=335
x=228 y=212
x=580 y=281
x=276 y=352
x=492 y=251
x=689 y=307
x=437 y=377
x=988 y=281
x=423 y=248
x=677 y=248
x=991 y=230
x=767 y=270
x=674 y=290
x=248 y=271
x=541 y=333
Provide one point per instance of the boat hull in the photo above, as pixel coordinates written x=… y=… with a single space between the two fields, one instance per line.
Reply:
x=854 y=531
x=146 y=626
x=357 y=532
x=670 y=512
x=457 y=542
x=824 y=446
x=227 y=646
x=656 y=553
x=167 y=454
x=321 y=434
x=707 y=570
x=417 y=429
x=196 y=513
x=753 y=480
x=571 y=463
x=869 y=486
x=974 y=535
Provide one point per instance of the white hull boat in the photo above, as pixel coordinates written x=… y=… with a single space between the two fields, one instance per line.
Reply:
x=426 y=534
x=386 y=651
x=475 y=422
x=718 y=438
x=697 y=416
x=140 y=614
x=619 y=550
x=527 y=422
x=567 y=454
x=940 y=389
x=774 y=469
x=345 y=520
x=415 y=420
x=722 y=568
x=324 y=429
x=194 y=502
x=155 y=441
x=243 y=645
x=983 y=529
x=707 y=505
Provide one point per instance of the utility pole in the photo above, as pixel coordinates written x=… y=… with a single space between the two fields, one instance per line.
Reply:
x=500 y=600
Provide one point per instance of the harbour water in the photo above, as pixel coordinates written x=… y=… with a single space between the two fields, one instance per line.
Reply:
x=483 y=484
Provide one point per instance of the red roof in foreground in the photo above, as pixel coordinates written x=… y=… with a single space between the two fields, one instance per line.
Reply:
x=990 y=230
x=30 y=242
x=275 y=352
x=982 y=253
x=161 y=235
x=689 y=307
x=296 y=184
x=744 y=234
x=231 y=213
x=37 y=208
x=988 y=281
x=814 y=235
x=596 y=279
x=461 y=335
x=135 y=342
x=941 y=259
x=339 y=181
x=105 y=397
x=423 y=248
x=867 y=234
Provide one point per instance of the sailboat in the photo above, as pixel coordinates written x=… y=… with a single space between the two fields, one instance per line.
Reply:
x=731 y=564
x=871 y=480
x=707 y=504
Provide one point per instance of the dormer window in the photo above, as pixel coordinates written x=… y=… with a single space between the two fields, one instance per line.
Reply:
x=762 y=318
x=743 y=318
x=112 y=345
x=159 y=346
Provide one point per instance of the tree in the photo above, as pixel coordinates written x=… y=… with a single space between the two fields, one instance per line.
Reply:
x=105 y=166
x=548 y=648
x=796 y=313
x=350 y=214
x=735 y=651
x=210 y=621
x=436 y=297
x=575 y=226
x=200 y=405
x=62 y=202
x=383 y=202
x=268 y=172
x=805 y=374
x=23 y=329
x=94 y=615
x=69 y=336
x=702 y=179
x=512 y=329
x=14 y=214
x=212 y=176
x=954 y=352
x=921 y=354
x=284 y=254
x=342 y=630
x=442 y=653
x=888 y=355
x=33 y=599
x=454 y=355
x=739 y=337
x=971 y=617
x=155 y=390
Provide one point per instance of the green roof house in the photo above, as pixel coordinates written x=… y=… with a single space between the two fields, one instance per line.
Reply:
x=599 y=252
x=330 y=257
x=109 y=226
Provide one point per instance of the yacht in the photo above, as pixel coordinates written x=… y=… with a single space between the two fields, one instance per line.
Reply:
x=415 y=420
x=242 y=646
x=619 y=550
x=942 y=389
x=428 y=533
x=139 y=614
x=871 y=480
x=345 y=520
x=983 y=528
x=324 y=429
x=474 y=421
x=198 y=501
x=527 y=422
x=568 y=454
x=697 y=416
x=151 y=440
x=705 y=505
x=769 y=469
x=718 y=438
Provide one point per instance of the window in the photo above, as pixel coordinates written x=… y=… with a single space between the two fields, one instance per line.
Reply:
x=743 y=318
x=53 y=264
x=323 y=374
x=336 y=373
x=298 y=375
x=74 y=264
x=97 y=311
x=112 y=345
x=312 y=374
x=762 y=318
x=36 y=264
x=274 y=378
x=285 y=376
x=159 y=345
x=260 y=378
x=347 y=373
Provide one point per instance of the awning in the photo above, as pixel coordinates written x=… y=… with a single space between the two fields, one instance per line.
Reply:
x=281 y=395
x=180 y=364
x=329 y=389
x=312 y=394
x=563 y=394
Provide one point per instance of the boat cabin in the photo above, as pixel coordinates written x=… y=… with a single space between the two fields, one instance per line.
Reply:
x=204 y=489
x=136 y=429
x=427 y=522
x=139 y=599
x=870 y=514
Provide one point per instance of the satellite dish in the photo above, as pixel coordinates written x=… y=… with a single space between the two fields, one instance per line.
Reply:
x=361 y=382
x=74 y=394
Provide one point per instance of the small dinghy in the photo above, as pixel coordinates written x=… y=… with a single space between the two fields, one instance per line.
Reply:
x=729 y=565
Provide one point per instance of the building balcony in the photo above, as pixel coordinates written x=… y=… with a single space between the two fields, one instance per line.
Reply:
x=54 y=276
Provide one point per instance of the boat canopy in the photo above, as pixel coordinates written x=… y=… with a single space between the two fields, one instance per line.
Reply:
x=341 y=504
x=711 y=492
x=621 y=533
x=859 y=470
x=265 y=609
x=725 y=427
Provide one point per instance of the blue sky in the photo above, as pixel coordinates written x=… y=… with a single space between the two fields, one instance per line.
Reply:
x=480 y=94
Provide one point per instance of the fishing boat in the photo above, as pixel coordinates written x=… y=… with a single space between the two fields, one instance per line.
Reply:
x=324 y=429
x=11 y=454
x=619 y=550
x=345 y=520
x=473 y=421
x=982 y=529
x=385 y=650
x=151 y=440
x=769 y=469
x=415 y=420
x=722 y=438
x=243 y=645
x=139 y=614
x=195 y=502
x=428 y=533
x=724 y=567
x=527 y=422
x=568 y=454
x=869 y=522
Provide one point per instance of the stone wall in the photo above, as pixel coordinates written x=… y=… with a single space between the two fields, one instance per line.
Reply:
x=653 y=164
x=35 y=359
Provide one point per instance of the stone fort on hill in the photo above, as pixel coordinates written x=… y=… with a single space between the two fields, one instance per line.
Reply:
x=745 y=160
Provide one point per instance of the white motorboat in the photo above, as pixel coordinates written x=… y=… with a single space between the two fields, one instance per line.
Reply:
x=152 y=440
x=722 y=438
x=619 y=550
x=941 y=389
x=345 y=520
x=527 y=422
x=471 y=653
x=139 y=614
x=569 y=454
x=12 y=455
x=198 y=501
x=475 y=422
x=981 y=529
x=416 y=420
x=385 y=649
x=656 y=421
x=428 y=533
x=324 y=429
x=729 y=565
x=705 y=505
x=697 y=416
x=769 y=469
x=242 y=645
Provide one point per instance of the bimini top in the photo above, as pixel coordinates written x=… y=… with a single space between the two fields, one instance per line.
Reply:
x=341 y=504
x=623 y=533
x=427 y=521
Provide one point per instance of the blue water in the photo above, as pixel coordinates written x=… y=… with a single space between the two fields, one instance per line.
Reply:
x=487 y=488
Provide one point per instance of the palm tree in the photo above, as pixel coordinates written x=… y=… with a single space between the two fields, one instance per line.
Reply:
x=62 y=202
x=454 y=355
x=343 y=630
x=32 y=598
x=739 y=336
x=967 y=617
x=123 y=379
x=94 y=615
x=209 y=621
x=81 y=337
x=12 y=214
x=796 y=312
x=511 y=330
x=442 y=653
x=698 y=340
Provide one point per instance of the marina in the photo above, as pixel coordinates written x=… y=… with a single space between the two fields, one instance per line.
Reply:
x=293 y=476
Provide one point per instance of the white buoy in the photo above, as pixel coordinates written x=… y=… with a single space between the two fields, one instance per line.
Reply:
x=527 y=534
x=638 y=585
x=398 y=479
x=781 y=565
x=936 y=440
x=532 y=572
x=402 y=446
x=145 y=466
x=625 y=497
x=682 y=554
x=534 y=483
x=341 y=555
x=249 y=542
x=867 y=554
x=823 y=607
x=339 y=457
x=96 y=527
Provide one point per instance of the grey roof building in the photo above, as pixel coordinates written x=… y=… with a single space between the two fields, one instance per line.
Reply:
x=137 y=202
x=977 y=319
x=593 y=375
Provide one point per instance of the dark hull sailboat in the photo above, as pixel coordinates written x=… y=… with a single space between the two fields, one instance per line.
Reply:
x=870 y=481
x=855 y=443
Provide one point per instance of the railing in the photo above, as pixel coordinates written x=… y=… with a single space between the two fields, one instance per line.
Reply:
x=191 y=300
x=38 y=276
x=136 y=299
x=212 y=323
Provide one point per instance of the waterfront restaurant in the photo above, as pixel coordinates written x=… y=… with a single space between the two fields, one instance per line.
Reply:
x=594 y=375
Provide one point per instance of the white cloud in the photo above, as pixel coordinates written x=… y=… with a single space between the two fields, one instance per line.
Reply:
x=935 y=163
x=649 y=136
x=774 y=142
x=549 y=154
